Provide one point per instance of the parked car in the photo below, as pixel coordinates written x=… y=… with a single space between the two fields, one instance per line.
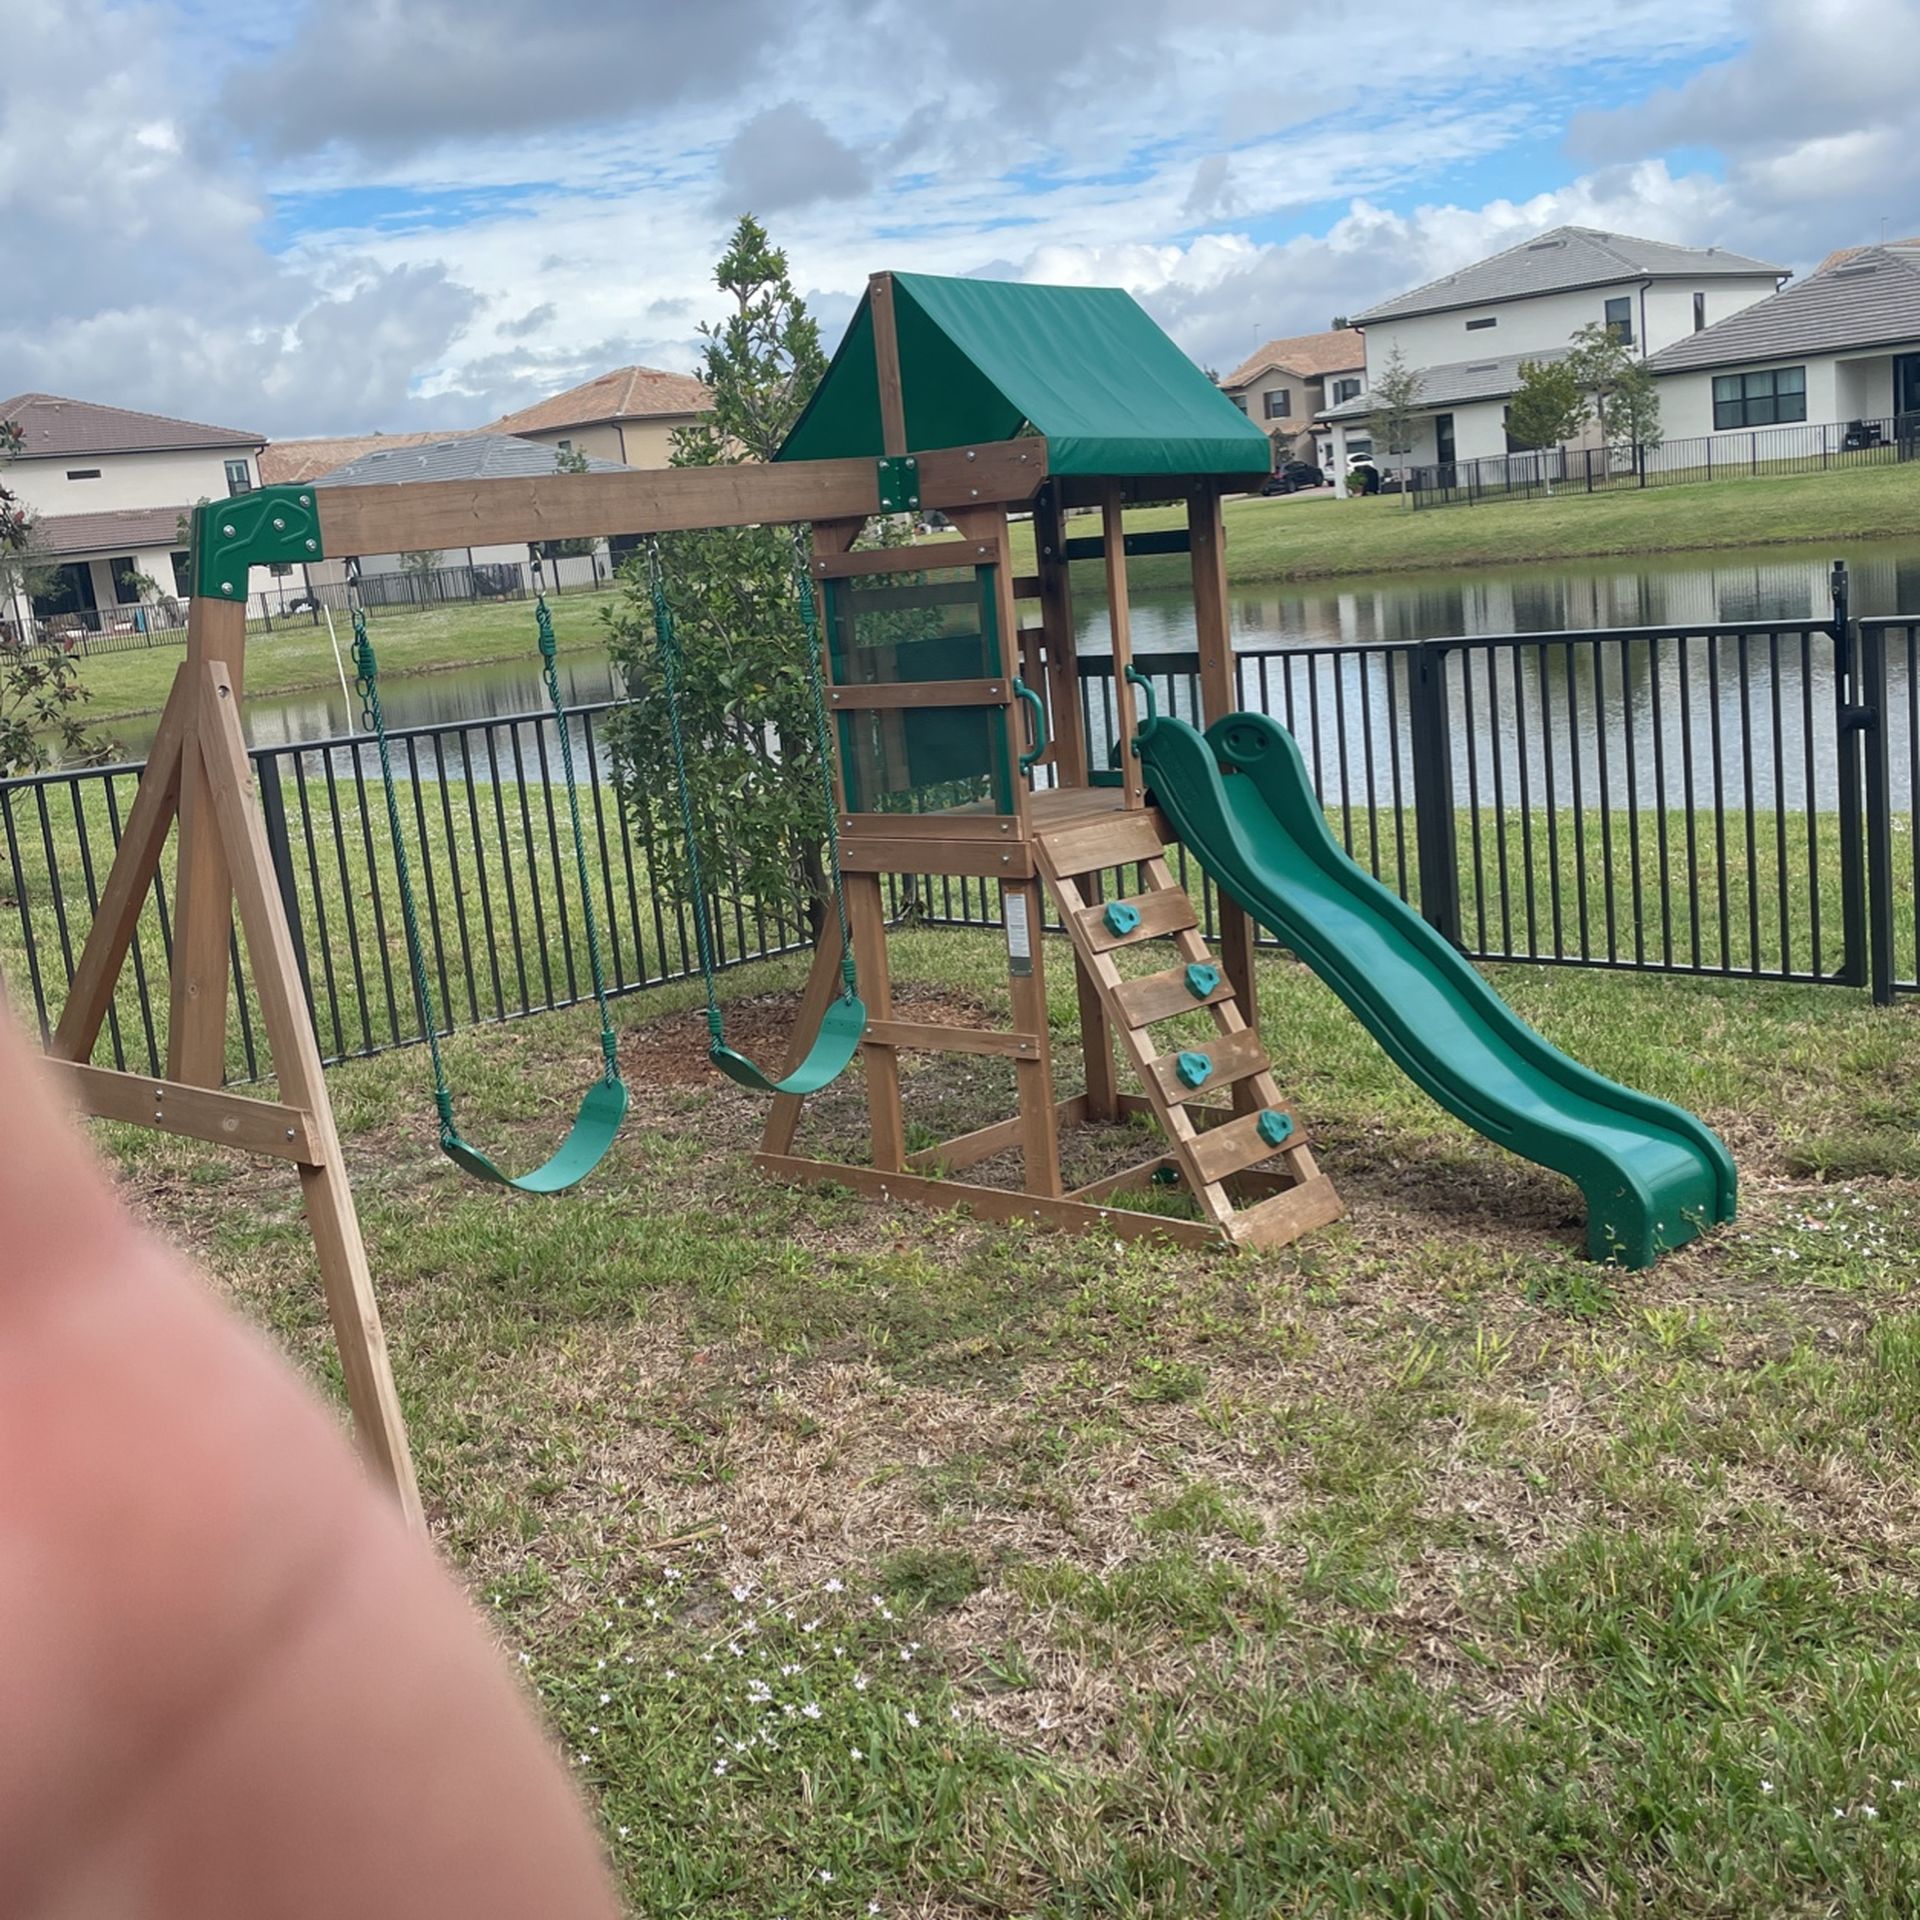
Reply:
x=1292 y=476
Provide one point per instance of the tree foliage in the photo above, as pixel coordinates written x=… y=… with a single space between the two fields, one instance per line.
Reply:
x=569 y=460
x=1620 y=392
x=1393 y=419
x=746 y=704
x=40 y=690
x=1549 y=406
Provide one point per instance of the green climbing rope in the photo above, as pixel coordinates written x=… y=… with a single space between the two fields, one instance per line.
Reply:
x=605 y=1105
x=845 y=1022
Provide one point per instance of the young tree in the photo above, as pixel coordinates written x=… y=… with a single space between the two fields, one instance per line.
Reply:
x=40 y=691
x=1619 y=390
x=1393 y=419
x=569 y=460
x=1548 y=408
x=746 y=714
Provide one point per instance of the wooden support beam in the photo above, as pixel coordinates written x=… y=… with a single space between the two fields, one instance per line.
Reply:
x=867 y=911
x=886 y=364
x=920 y=693
x=978 y=859
x=1120 y=619
x=197 y=1113
x=1022 y=907
x=920 y=1036
x=992 y=1203
x=1130 y=1180
x=580 y=506
x=203 y=886
x=822 y=989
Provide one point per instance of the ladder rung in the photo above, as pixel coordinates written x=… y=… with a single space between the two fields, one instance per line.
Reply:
x=1236 y=1146
x=1235 y=1056
x=1159 y=996
x=1284 y=1217
x=1166 y=911
x=1118 y=840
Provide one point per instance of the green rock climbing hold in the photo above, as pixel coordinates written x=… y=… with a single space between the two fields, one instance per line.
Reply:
x=1202 y=979
x=1122 y=919
x=1195 y=1069
x=1275 y=1127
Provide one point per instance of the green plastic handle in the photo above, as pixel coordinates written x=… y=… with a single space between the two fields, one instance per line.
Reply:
x=1039 y=707
x=1138 y=679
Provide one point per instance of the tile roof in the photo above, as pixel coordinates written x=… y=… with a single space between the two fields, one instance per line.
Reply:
x=50 y=426
x=1841 y=255
x=627 y=393
x=467 y=456
x=109 y=533
x=1872 y=298
x=1559 y=260
x=286 y=463
x=1456 y=383
x=1311 y=356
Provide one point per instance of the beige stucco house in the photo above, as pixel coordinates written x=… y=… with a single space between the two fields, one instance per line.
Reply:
x=1285 y=383
x=628 y=416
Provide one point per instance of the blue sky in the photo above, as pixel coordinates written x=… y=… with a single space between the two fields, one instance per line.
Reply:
x=377 y=215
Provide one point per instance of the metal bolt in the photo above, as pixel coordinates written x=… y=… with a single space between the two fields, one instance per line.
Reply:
x=228 y=529
x=912 y=462
x=1005 y=859
x=973 y=493
x=970 y=453
x=226 y=586
x=913 y=500
x=289 y=1133
x=313 y=546
x=279 y=525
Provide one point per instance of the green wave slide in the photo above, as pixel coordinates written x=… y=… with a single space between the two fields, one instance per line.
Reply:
x=1239 y=798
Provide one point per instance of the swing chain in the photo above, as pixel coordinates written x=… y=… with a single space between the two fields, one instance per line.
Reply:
x=366 y=669
x=549 y=650
x=823 y=740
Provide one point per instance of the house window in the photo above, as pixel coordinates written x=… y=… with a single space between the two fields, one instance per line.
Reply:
x=126 y=581
x=83 y=473
x=1239 y=400
x=1359 y=443
x=566 y=446
x=239 y=477
x=1345 y=390
x=1620 y=319
x=182 y=574
x=1481 y=325
x=1759 y=399
x=1699 y=311
x=1279 y=404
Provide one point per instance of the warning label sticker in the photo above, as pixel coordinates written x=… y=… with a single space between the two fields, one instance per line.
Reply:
x=1019 y=934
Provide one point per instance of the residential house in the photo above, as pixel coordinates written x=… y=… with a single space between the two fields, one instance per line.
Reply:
x=290 y=463
x=1839 y=351
x=107 y=489
x=628 y=416
x=1285 y=383
x=463 y=572
x=1466 y=335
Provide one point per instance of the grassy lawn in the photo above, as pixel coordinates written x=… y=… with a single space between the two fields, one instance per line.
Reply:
x=1284 y=539
x=863 y=1560
x=297 y=657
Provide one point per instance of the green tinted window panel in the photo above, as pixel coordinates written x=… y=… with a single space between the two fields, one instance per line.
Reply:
x=920 y=629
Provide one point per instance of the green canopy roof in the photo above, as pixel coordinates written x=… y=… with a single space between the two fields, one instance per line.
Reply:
x=1084 y=366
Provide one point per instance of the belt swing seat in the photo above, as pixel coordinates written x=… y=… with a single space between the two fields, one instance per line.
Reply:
x=605 y=1105
x=844 y=1024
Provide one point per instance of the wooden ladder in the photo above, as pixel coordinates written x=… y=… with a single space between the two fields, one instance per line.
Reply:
x=1220 y=1153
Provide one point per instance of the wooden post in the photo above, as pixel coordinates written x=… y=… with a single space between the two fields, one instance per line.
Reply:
x=203 y=888
x=867 y=910
x=886 y=364
x=1120 y=617
x=1219 y=696
x=1056 y=621
x=1022 y=904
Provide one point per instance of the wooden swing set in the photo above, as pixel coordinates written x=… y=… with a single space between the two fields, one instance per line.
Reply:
x=974 y=399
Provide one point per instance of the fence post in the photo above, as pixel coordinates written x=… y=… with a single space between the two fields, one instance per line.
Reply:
x=1435 y=835
x=1873 y=722
x=273 y=808
x=1847 y=773
x=1587 y=461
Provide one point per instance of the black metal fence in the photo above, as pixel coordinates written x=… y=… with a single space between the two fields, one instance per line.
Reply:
x=1759 y=453
x=1724 y=799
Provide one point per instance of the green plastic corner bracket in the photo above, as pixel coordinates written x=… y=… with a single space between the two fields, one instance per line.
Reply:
x=1121 y=919
x=272 y=526
x=1194 y=1069
x=899 y=482
x=1202 y=979
x=1276 y=1128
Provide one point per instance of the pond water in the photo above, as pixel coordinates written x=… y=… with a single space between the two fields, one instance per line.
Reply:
x=1511 y=713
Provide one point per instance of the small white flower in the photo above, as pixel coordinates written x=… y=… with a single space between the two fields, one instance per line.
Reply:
x=859 y=1683
x=526 y=1659
x=672 y=1674
x=1046 y=1723
x=886 y=1613
x=623 y=1831
x=740 y=1593
x=736 y=1649
x=673 y=1573
x=1872 y=1813
x=811 y=1710
x=719 y=1766
x=838 y=1586
x=873 y=1906
x=857 y=1754
x=812 y=1626
x=1897 y=1785
x=593 y=1729
x=608 y=1621
x=599 y=1666
x=1766 y=1786
x=628 y=1661
x=826 y=1877
x=913 y=1719
x=1839 y=1813
x=606 y=1699
x=877 y=1601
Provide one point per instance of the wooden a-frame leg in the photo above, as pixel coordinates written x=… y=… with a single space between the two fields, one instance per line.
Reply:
x=203 y=888
x=1033 y=1077
x=867 y=910
x=351 y=1303
x=135 y=861
x=823 y=988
